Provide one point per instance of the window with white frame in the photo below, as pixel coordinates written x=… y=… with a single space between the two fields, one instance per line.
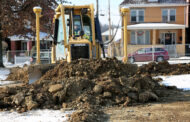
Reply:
x=137 y=15
x=168 y=15
x=141 y=37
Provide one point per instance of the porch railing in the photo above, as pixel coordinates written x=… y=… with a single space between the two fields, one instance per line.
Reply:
x=22 y=56
x=173 y=51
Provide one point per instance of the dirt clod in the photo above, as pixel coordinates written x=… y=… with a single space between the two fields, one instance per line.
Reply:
x=55 y=88
x=98 y=89
x=18 y=98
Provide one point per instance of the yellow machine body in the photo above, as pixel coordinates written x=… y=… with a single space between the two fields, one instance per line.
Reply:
x=70 y=44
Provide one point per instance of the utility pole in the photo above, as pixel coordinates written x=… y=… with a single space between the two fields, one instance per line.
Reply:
x=97 y=7
x=109 y=19
x=1 y=49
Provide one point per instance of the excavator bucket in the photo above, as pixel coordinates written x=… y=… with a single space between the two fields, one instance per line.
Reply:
x=35 y=72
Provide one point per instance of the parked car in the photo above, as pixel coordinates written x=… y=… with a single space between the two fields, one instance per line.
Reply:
x=146 y=54
x=45 y=58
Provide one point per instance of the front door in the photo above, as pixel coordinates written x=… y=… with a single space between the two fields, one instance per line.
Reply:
x=169 y=40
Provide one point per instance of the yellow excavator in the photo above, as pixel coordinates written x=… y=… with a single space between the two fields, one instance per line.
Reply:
x=77 y=35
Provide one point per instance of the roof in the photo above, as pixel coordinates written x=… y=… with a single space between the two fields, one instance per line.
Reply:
x=158 y=3
x=117 y=36
x=155 y=26
x=152 y=1
x=18 y=37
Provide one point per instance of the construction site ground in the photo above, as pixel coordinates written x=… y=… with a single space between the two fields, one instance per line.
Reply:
x=102 y=91
x=175 y=108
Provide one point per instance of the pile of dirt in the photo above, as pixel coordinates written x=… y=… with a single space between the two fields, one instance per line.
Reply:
x=164 y=68
x=27 y=72
x=90 y=69
x=18 y=74
x=85 y=85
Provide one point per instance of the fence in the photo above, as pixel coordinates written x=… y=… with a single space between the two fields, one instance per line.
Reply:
x=24 y=56
x=143 y=53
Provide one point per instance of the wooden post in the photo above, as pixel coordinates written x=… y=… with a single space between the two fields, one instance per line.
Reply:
x=53 y=54
x=154 y=38
x=153 y=44
x=183 y=41
x=183 y=37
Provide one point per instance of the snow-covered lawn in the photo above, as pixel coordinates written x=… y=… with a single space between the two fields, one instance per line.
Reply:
x=4 y=73
x=180 y=81
x=176 y=61
x=10 y=65
x=35 y=116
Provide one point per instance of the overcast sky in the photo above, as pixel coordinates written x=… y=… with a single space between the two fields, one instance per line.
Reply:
x=103 y=8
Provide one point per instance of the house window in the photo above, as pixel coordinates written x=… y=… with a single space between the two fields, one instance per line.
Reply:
x=133 y=37
x=169 y=15
x=107 y=38
x=137 y=15
x=24 y=46
x=45 y=45
x=141 y=37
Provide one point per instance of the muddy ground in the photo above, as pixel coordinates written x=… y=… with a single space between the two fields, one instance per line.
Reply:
x=174 y=108
x=90 y=85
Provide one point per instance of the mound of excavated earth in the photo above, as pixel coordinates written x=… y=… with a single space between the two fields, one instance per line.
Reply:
x=85 y=85
x=164 y=68
x=28 y=72
x=18 y=74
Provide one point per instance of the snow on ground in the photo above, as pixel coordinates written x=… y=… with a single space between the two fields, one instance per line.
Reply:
x=181 y=61
x=35 y=116
x=180 y=81
x=186 y=58
x=4 y=72
x=10 y=65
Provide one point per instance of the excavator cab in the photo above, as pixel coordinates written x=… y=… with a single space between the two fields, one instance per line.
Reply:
x=75 y=34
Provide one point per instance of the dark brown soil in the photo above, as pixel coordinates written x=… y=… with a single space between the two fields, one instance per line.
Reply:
x=87 y=86
x=164 y=68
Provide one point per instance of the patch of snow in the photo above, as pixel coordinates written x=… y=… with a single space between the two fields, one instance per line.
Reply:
x=186 y=58
x=4 y=72
x=170 y=62
x=180 y=81
x=35 y=116
x=4 y=83
x=10 y=65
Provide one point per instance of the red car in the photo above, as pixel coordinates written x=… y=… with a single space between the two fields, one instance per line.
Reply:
x=145 y=54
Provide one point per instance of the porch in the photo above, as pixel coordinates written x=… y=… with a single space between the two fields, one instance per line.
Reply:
x=168 y=36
